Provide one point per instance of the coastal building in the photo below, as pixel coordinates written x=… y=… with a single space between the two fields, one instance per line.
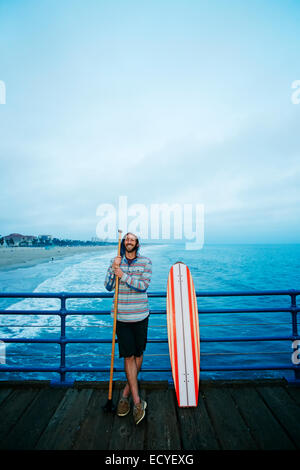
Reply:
x=16 y=239
x=45 y=238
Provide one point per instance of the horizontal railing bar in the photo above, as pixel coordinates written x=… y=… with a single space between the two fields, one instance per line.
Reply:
x=116 y=369
x=202 y=325
x=108 y=325
x=70 y=295
x=250 y=310
x=152 y=312
x=32 y=340
x=56 y=295
x=53 y=355
x=151 y=340
x=31 y=312
x=79 y=326
x=5 y=368
x=246 y=368
x=149 y=355
x=57 y=312
x=250 y=338
x=246 y=293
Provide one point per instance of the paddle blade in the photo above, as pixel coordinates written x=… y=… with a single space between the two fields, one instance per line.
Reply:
x=109 y=407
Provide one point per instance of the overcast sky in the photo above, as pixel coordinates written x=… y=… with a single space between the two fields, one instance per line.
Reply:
x=186 y=102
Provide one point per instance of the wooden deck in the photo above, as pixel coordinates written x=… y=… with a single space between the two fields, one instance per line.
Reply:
x=230 y=415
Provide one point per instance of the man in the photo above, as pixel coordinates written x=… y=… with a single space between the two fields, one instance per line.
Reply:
x=134 y=272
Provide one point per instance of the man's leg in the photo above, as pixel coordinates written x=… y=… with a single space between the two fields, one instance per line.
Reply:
x=132 y=368
x=138 y=361
x=133 y=363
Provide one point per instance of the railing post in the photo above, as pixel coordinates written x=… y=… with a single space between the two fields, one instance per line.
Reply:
x=62 y=338
x=62 y=343
x=295 y=332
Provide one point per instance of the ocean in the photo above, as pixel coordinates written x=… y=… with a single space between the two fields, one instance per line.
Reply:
x=214 y=268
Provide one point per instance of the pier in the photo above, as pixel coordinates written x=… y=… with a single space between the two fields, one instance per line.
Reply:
x=67 y=414
x=233 y=415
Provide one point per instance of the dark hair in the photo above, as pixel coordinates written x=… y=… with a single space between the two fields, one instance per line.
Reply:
x=122 y=248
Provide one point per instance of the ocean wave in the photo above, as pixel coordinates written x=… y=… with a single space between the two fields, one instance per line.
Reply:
x=85 y=276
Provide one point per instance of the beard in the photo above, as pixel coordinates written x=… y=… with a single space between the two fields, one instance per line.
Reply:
x=130 y=248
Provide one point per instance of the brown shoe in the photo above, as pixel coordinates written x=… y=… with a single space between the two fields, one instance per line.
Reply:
x=123 y=406
x=139 y=411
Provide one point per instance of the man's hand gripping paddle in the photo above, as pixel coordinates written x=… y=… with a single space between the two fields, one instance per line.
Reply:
x=109 y=405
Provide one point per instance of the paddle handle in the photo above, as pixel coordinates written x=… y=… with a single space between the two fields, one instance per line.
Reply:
x=114 y=325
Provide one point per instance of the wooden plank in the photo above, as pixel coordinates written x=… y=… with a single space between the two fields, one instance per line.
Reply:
x=163 y=432
x=265 y=429
x=63 y=426
x=4 y=393
x=294 y=392
x=29 y=427
x=197 y=432
x=285 y=410
x=12 y=409
x=126 y=435
x=228 y=424
x=96 y=428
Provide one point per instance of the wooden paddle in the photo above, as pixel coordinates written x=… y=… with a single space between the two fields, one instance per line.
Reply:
x=109 y=405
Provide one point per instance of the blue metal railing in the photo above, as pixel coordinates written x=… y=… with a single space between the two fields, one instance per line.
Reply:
x=62 y=340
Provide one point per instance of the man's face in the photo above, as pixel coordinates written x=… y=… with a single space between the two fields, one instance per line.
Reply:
x=130 y=243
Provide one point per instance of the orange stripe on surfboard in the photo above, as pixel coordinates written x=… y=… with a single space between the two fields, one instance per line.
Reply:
x=197 y=329
x=169 y=323
x=196 y=317
x=193 y=329
x=174 y=336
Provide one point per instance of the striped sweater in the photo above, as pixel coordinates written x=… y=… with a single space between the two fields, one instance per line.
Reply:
x=132 y=297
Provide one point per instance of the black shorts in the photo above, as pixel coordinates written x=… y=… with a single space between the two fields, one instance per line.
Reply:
x=132 y=337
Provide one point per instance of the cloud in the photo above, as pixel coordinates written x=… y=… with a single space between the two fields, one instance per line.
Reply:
x=145 y=103
x=250 y=175
x=248 y=179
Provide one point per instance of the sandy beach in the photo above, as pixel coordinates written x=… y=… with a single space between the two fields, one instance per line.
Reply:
x=20 y=257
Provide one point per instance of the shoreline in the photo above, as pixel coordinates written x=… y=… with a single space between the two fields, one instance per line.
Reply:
x=23 y=257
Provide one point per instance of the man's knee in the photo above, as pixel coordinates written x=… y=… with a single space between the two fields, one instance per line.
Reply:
x=129 y=359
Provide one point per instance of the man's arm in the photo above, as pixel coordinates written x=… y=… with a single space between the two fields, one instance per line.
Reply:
x=110 y=278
